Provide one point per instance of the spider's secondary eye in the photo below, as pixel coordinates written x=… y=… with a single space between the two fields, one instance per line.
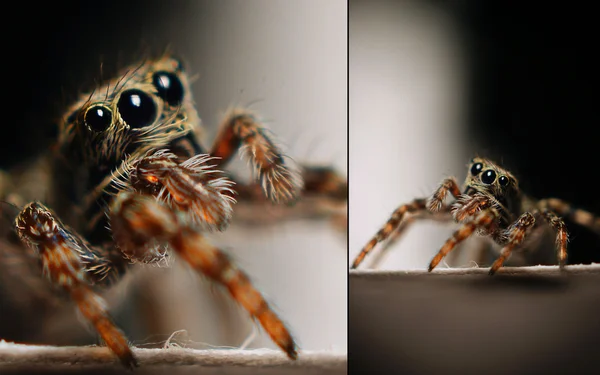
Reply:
x=98 y=118
x=476 y=168
x=503 y=180
x=137 y=108
x=488 y=177
x=169 y=87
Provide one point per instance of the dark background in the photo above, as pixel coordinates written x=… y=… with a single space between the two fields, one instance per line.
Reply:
x=532 y=100
x=50 y=49
x=531 y=106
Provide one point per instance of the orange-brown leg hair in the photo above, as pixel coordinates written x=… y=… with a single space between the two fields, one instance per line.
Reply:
x=241 y=131
x=324 y=196
x=441 y=216
x=449 y=185
x=515 y=234
x=389 y=228
x=483 y=219
x=577 y=215
x=434 y=204
x=469 y=206
x=140 y=221
x=60 y=251
x=562 y=236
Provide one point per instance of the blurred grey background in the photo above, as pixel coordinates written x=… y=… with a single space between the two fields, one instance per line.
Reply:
x=286 y=60
x=407 y=120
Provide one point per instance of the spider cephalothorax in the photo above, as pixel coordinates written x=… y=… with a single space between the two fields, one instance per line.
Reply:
x=491 y=205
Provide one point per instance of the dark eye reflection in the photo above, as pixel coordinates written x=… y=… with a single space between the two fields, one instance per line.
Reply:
x=476 y=168
x=488 y=177
x=98 y=118
x=137 y=108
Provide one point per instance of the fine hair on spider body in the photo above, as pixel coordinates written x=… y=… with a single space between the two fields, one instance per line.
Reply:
x=131 y=181
x=490 y=204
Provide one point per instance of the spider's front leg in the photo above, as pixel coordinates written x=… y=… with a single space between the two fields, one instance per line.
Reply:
x=63 y=256
x=141 y=222
x=241 y=131
x=483 y=219
x=434 y=204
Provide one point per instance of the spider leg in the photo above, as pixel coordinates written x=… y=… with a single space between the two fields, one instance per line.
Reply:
x=241 y=131
x=561 y=235
x=564 y=209
x=515 y=234
x=63 y=257
x=483 y=219
x=468 y=205
x=139 y=221
x=442 y=216
x=190 y=186
x=392 y=224
x=324 y=196
x=434 y=204
x=449 y=185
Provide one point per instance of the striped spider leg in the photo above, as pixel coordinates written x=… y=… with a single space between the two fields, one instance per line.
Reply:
x=491 y=205
x=403 y=216
x=323 y=192
x=130 y=183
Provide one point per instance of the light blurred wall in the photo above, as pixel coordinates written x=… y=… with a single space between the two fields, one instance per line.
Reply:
x=407 y=114
x=288 y=60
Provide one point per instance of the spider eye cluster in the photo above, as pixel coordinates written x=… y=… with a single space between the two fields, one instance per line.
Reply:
x=489 y=177
x=136 y=107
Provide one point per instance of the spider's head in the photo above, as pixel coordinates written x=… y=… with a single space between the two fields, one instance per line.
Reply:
x=147 y=108
x=490 y=179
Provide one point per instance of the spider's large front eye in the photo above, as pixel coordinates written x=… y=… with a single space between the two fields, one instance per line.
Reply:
x=503 y=180
x=169 y=87
x=476 y=168
x=98 y=118
x=488 y=177
x=137 y=108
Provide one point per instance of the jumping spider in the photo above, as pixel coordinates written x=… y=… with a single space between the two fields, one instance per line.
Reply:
x=129 y=181
x=491 y=205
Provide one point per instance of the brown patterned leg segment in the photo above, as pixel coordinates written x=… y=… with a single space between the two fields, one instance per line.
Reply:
x=60 y=252
x=390 y=226
x=437 y=200
x=564 y=209
x=241 y=131
x=516 y=233
x=561 y=235
x=140 y=221
x=484 y=219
